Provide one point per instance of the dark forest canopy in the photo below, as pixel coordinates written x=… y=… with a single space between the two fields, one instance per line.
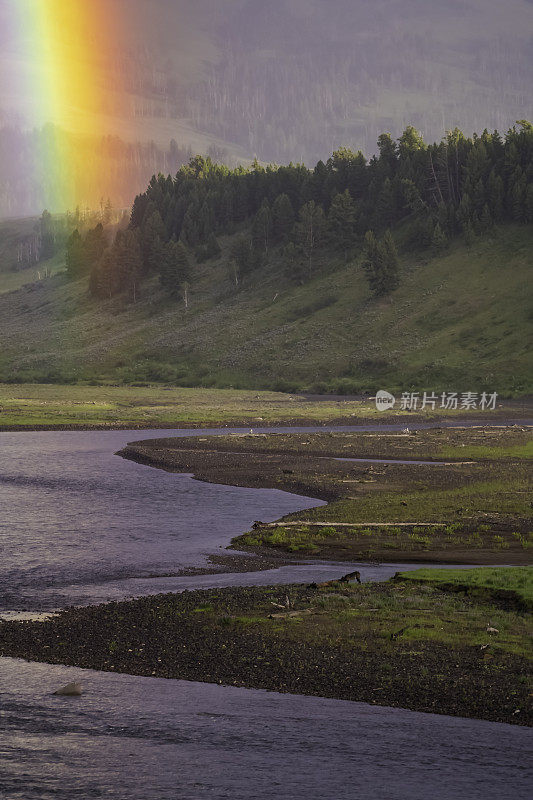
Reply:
x=457 y=186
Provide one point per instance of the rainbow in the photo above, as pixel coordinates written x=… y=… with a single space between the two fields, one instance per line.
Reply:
x=68 y=78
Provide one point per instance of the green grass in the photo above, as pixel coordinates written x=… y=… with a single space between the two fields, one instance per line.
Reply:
x=37 y=273
x=458 y=322
x=481 y=452
x=509 y=496
x=462 y=512
x=516 y=582
x=48 y=404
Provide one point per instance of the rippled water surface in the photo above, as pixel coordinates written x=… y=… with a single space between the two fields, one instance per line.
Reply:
x=157 y=739
x=80 y=525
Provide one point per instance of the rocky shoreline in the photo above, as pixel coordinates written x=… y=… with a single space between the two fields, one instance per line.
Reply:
x=340 y=641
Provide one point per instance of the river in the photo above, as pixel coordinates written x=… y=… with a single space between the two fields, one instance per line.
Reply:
x=80 y=525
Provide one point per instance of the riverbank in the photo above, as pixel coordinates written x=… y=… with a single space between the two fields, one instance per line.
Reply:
x=460 y=495
x=86 y=407
x=397 y=644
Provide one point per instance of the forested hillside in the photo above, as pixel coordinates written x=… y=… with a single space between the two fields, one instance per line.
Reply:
x=347 y=205
x=407 y=271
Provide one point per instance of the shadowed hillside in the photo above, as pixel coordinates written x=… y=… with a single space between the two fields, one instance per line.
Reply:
x=458 y=321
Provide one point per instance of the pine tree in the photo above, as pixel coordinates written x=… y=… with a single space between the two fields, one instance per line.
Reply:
x=128 y=262
x=138 y=210
x=295 y=267
x=381 y=263
x=213 y=247
x=152 y=235
x=75 y=256
x=391 y=264
x=190 y=229
x=282 y=217
x=465 y=212
x=528 y=205
x=47 y=235
x=342 y=218
x=517 y=199
x=103 y=281
x=412 y=201
x=262 y=228
x=485 y=220
x=371 y=258
x=386 y=205
x=309 y=231
x=95 y=243
x=175 y=268
x=241 y=252
x=439 y=240
x=495 y=194
x=388 y=155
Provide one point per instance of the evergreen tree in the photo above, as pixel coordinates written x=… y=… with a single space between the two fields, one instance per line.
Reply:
x=309 y=231
x=295 y=267
x=152 y=235
x=485 y=220
x=104 y=279
x=341 y=223
x=412 y=201
x=46 y=227
x=262 y=228
x=391 y=264
x=241 y=252
x=282 y=217
x=95 y=243
x=388 y=154
x=190 y=229
x=479 y=196
x=517 y=199
x=205 y=222
x=465 y=212
x=138 y=211
x=75 y=256
x=385 y=205
x=128 y=260
x=213 y=247
x=381 y=263
x=175 y=268
x=439 y=239
x=528 y=213
x=495 y=193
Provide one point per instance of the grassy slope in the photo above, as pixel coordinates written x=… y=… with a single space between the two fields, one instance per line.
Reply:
x=457 y=322
x=514 y=582
x=13 y=231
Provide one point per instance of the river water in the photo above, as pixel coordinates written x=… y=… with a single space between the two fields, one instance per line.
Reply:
x=80 y=525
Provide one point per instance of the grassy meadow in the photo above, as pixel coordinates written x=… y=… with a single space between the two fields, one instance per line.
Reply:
x=56 y=405
x=509 y=583
x=457 y=322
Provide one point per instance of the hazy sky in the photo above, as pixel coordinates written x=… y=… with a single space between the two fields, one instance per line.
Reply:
x=278 y=80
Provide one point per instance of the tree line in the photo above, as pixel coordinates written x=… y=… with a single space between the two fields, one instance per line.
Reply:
x=457 y=186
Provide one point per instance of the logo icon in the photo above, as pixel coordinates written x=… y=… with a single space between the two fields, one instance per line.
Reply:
x=384 y=400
